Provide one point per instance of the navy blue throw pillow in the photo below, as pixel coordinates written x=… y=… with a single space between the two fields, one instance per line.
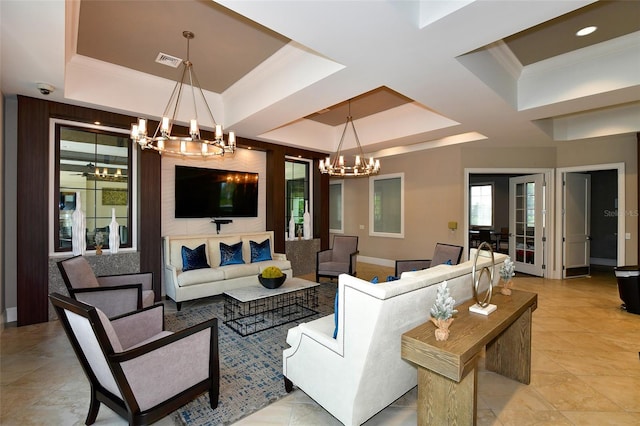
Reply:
x=194 y=259
x=260 y=251
x=231 y=255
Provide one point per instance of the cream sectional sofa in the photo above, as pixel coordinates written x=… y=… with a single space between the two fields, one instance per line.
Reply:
x=193 y=284
x=360 y=372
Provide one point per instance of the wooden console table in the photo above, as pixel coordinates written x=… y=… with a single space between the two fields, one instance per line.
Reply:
x=447 y=371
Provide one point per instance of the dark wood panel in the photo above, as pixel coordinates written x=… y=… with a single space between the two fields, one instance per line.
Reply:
x=33 y=209
x=32 y=224
x=321 y=206
x=149 y=195
x=275 y=194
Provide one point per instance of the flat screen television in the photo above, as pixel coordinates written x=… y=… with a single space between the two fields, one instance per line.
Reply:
x=201 y=192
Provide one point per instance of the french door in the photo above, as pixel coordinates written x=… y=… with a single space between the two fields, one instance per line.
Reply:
x=527 y=223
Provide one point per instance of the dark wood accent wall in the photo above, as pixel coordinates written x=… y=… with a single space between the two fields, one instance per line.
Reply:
x=321 y=207
x=33 y=199
x=150 y=224
x=275 y=195
x=32 y=202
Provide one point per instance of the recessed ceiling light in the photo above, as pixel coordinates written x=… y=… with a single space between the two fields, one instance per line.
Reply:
x=586 y=31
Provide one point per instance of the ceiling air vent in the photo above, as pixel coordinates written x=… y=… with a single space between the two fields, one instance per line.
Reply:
x=168 y=60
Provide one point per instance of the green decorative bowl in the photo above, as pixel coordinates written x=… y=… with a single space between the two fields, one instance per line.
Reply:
x=272 y=283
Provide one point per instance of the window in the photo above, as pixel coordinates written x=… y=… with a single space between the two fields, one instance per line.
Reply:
x=95 y=162
x=481 y=205
x=297 y=181
x=336 y=212
x=386 y=205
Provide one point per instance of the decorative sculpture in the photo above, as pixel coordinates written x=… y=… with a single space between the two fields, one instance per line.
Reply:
x=292 y=227
x=78 y=229
x=306 y=230
x=483 y=307
x=114 y=233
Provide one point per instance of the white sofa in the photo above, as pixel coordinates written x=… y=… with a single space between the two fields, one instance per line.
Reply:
x=361 y=371
x=193 y=284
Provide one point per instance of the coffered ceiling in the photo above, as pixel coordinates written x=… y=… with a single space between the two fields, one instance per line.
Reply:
x=415 y=74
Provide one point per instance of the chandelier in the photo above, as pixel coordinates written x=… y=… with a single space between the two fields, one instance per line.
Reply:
x=360 y=167
x=192 y=145
x=105 y=174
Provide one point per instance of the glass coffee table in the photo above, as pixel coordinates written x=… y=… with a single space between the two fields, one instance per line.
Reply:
x=248 y=310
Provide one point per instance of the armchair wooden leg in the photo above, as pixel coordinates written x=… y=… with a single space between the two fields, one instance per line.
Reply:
x=94 y=406
x=213 y=397
x=178 y=305
x=288 y=385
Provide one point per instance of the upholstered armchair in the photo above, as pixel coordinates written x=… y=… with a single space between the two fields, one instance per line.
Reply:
x=341 y=259
x=113 y=294
x=443 y=253
x=134 y=366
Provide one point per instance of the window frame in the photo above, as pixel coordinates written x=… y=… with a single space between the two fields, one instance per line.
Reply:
x=493 y=200
x=54 y=185
x=372 y=182
x=309 y=192
x=340 y=183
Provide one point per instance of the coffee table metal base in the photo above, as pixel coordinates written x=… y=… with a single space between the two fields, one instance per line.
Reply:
x=252 y=316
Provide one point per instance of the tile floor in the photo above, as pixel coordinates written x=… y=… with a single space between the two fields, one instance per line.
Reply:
x=586 y=370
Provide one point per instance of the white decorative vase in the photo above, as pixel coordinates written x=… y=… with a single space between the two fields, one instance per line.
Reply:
x=114 y=233
x=78 y=229
x=292 y=227
x=306 y=228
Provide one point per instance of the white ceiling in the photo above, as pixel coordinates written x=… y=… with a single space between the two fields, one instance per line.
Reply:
x=449 y=68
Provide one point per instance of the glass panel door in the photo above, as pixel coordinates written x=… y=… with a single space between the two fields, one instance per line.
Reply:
x=527 y=223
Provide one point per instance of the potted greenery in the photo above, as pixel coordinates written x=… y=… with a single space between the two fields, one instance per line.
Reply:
x=442 y=311
x=99 y=239
x=506 y=275
x=272 y=277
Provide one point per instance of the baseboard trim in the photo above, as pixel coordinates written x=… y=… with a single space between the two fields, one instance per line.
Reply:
x=377 y=261
x=11 y=314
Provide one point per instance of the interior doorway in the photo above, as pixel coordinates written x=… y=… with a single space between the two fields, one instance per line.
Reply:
x=604 y=225
x=503 y=227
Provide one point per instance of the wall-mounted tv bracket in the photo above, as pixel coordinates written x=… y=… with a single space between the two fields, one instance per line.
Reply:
x=219 y=222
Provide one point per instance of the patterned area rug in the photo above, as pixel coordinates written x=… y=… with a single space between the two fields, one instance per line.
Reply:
x=250 y=367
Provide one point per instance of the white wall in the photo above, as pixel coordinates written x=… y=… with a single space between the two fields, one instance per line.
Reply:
x=434 y=191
